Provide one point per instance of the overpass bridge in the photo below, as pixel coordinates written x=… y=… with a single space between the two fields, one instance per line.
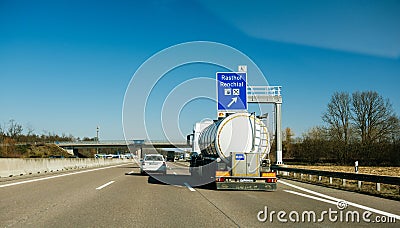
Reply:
x=122 y=144
x=135 y=146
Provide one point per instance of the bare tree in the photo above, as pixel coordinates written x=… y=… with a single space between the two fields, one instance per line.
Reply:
x=3 y=129
x=14 y=129
x=29 y=130
x=287 y=144
x=288 y=135
x=316 y=133
x=2 y=133
x=314 y=145
x=373 y=117
x=338 y=116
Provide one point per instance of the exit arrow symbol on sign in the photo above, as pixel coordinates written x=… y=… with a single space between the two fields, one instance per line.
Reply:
x=234 y=100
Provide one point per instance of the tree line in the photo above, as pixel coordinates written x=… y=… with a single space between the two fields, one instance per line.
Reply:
x=14 y=139
x=361 y=126
x=13 y=131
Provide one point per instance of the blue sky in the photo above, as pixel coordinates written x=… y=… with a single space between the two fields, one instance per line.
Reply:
x=65 y=65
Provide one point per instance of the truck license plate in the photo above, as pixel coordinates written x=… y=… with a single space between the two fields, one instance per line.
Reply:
x=246 y=180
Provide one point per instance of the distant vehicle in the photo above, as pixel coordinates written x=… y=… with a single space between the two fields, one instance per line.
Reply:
x=127 y=155
x=193 y=156
x=112 y=156
x=187 y=156
x=153 y=163
x=171 y=156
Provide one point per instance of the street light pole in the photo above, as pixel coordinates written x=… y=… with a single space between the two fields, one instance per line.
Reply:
x=97 y=138
x=97 y=133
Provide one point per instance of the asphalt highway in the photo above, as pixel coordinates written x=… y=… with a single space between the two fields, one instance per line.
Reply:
x=118 y=196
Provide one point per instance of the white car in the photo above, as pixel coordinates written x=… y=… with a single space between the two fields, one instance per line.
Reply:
x=153 y=163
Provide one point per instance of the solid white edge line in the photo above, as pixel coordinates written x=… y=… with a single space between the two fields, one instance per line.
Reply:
x=337 y=200
x=312 y=197
x=189 y=187
x=105 y=185
x=62 y=175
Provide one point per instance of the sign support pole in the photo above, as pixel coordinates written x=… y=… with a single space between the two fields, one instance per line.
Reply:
x=278 y=133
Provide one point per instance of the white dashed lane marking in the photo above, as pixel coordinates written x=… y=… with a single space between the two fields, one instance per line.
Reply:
x=189 y=187
x=105 y=185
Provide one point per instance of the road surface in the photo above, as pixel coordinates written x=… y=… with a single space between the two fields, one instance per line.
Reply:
x=118 y=196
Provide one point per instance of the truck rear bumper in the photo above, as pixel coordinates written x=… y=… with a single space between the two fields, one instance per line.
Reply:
x=250 y=186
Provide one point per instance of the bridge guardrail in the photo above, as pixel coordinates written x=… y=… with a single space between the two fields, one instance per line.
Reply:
x=264 y=90
x=377 y=179
x=119 y=142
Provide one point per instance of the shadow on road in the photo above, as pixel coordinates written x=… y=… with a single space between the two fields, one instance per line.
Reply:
x=128 y=167
x=179 y=180
x=133 y=174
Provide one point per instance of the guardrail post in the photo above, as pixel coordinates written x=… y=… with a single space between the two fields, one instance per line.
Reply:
x=310 y=177
x=294 y=174
x=319 y=178
x=344 y=182
x=330 y=180
x=301 y=176
x=378 y=187
x=359 y=185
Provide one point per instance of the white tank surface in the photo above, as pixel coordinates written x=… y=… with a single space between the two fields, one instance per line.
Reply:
x=240 y=132
x=198 y=128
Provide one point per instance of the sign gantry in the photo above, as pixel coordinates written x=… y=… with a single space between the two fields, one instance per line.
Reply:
x=233 y=95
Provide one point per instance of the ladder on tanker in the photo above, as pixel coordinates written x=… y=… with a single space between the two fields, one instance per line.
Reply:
x=260 y=140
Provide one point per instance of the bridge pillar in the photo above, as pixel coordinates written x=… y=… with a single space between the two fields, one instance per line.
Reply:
x=75 y=152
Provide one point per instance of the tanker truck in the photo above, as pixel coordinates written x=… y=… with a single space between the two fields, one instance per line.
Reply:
x=233 y=152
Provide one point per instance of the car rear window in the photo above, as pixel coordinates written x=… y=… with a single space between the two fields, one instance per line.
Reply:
x=153 y=158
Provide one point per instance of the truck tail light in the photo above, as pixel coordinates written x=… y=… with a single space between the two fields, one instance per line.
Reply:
x=270 y=180
x=220 y=179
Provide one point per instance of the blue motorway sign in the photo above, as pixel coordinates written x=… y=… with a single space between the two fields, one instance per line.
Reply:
x=239 y=157
x=231 y=91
